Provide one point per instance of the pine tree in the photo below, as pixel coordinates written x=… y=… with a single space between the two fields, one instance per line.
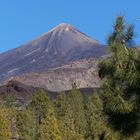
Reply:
x=26 y=125
x=76 y=104
x=66 y=119
x=61 y=106
x=69 y=126
x=95 y=117
x=5 y=133
x=49 y=130
x=121 y=79
x=97 y=128
x=39 y=105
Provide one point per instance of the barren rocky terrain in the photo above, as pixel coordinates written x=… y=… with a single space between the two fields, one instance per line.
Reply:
x=84 y=73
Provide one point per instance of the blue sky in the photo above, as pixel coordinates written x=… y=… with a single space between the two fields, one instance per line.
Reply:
x=23 y=20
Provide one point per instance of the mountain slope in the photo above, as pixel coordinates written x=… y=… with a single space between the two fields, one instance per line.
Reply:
x=82 y=72
x=59 y=46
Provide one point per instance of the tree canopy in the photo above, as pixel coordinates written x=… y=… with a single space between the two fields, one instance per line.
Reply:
x=120 y=75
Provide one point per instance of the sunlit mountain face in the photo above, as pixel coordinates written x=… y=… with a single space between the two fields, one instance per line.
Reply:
x=59 y=46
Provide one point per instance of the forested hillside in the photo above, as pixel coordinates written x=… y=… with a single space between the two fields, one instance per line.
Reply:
x=66 y=118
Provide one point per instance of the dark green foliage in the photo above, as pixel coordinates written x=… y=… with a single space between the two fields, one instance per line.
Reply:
x=95 y=118
x=97 y=127
x=121 y=79
x=26 y=125
x=76 y=103
x=49 y=130
x=46 y=122
x=40 y=104
x=71 y=115
x=61 y=105
x=124 y=122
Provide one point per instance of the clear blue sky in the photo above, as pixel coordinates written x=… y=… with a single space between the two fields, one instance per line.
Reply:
x=23 y=20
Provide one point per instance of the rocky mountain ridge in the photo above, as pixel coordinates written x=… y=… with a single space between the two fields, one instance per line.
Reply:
x=59 y=46
x=83 y=72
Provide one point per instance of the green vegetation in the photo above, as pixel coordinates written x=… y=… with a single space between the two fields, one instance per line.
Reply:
x=110 y=114
x=121 y=81
x=5 y=132
x=25 y=124
x=69 y=117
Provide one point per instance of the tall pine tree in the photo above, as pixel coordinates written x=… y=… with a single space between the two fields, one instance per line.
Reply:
x=39 y=105
x=26 y=125
x=121 y=79
x=48 y=129
x=76 y=104
x=65 y=117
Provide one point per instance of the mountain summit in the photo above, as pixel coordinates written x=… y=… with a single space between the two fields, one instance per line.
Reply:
x=62 y=39
x=61 y=45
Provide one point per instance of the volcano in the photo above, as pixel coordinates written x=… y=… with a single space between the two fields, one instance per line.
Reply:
x=59 y=46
